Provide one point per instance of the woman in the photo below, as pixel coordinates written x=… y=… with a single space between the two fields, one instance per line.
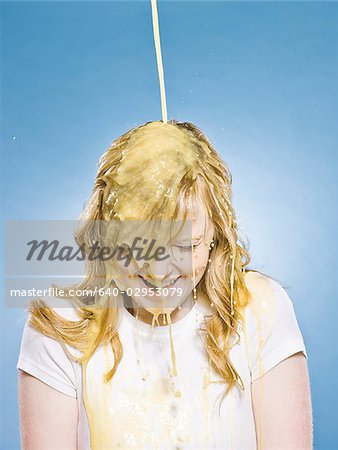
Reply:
x=186 y=351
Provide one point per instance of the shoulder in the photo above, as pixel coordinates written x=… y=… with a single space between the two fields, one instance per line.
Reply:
x=47 y=327
x=259 y=282
x=270 y=304
x=270 y=326
x=62 y=307
x=46 y=357
x=266 y=293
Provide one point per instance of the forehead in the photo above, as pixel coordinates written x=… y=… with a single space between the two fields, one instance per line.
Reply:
x=197 y=215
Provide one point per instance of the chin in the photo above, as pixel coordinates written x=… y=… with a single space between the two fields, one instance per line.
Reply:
x=157 y=311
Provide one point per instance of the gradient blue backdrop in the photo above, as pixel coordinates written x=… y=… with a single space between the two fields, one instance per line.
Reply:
x=259 y=78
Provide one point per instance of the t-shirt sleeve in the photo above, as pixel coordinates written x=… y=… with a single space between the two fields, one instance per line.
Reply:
x=272 y=330
x=46 y=359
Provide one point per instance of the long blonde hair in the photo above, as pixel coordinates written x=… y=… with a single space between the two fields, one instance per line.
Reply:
x=196 y=169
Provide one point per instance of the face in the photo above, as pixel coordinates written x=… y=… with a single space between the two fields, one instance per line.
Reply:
x=163 y=282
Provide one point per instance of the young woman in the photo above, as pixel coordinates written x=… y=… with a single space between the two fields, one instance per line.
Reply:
x=188 y=351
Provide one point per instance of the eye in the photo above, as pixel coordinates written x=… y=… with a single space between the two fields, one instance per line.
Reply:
x=186 y=248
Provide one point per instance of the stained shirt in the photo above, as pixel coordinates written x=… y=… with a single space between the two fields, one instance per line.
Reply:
x=146 y=406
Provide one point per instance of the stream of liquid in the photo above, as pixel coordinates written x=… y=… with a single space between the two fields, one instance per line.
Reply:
x=159 y=59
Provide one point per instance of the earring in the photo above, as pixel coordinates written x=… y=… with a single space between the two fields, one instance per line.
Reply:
x=212 y=244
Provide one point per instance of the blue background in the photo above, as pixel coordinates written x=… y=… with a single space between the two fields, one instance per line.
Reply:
x=260 y=79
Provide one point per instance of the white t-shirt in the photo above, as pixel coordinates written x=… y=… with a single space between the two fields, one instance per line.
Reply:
x=145 y=407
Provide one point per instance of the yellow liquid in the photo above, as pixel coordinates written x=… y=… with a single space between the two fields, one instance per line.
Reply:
x=159 y=59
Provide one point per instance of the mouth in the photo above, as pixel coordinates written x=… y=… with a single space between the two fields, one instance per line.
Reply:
x=168 y=285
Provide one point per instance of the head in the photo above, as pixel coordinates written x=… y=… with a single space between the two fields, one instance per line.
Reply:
x=169 y=173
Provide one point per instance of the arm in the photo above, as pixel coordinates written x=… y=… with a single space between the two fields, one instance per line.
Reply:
x=282 y=406
x=48 y=418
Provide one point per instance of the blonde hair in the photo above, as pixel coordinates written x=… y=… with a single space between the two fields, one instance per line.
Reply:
x=197 y=170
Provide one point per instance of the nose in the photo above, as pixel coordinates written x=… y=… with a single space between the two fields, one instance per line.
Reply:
x=156 y=271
